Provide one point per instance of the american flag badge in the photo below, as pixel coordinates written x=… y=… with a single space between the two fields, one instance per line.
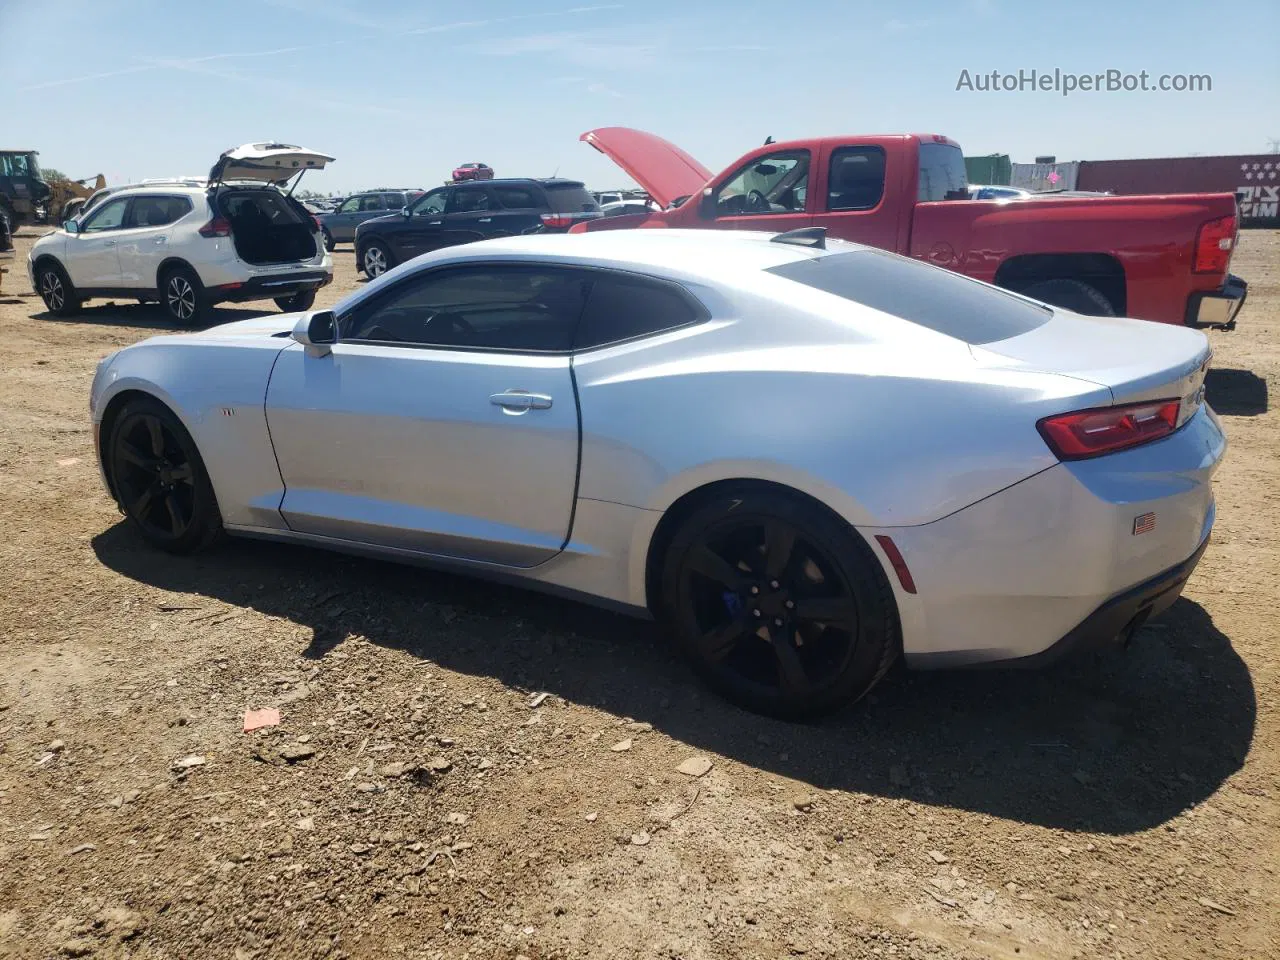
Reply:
x=1144 y=523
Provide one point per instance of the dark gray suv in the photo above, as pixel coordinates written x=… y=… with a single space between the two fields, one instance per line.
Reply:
x=340 y=225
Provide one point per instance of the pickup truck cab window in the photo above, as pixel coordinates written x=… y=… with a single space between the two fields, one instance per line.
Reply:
x=942 y=175
x=774 y=184
x=855 y=180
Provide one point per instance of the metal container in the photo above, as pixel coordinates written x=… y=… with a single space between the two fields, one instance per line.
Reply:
x=1254 y=179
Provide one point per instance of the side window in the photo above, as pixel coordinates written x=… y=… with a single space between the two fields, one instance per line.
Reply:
x=768 y=185
x=509 y=308
x=394 y=201
x=622 y=308
x=942 y=173
x=107 y=217
x=372 y=201
x=432 y=205
x=516 y=198
x=856 y=178
x=469 y=200
x=350 y=206
x=157 y=211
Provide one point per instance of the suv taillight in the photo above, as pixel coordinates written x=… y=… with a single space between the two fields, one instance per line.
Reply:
x=1092 y=433
x=217 y=227
x=557 y=220
x=1213 y=245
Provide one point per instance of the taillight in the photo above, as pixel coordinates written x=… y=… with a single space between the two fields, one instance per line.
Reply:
x=217 y=227
x=315 y=224
x=557 y=220
x=1213 y=245
x=1092 y=433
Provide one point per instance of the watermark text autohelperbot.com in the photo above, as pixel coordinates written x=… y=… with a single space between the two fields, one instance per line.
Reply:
x=1065 y=84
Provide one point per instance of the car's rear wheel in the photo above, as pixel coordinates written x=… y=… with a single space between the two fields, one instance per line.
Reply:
x=778 y=604
x=1074 y=295
x=160 y=480
x=375 y=260
x=59 y=296
x=298 y=302
x=183 y=297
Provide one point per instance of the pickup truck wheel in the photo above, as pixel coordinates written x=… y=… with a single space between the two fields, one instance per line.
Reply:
x=1075 y=295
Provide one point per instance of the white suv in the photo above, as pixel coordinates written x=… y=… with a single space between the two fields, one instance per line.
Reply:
x=237 y=238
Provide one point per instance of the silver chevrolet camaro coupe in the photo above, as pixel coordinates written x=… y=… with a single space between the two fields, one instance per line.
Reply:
x=801 y=456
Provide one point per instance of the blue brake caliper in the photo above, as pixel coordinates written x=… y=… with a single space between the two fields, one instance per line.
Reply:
x=732 y=603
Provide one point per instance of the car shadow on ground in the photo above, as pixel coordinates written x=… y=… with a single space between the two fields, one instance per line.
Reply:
x=1235 y=393
x=1112 y=743
x=146 y=316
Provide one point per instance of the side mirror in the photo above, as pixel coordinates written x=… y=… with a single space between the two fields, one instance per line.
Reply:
x=404 y=211
x=71 y=226
x=317 y=331
x=707 y=204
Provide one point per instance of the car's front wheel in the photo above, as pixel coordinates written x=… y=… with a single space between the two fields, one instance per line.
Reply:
x=160 y=480
x=375 y=260
x=59 y=296
x=328 y=239
x=298 y=302
x=183 y=297
x=778 y=604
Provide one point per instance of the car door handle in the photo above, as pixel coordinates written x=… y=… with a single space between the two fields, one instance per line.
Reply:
x=108 y=243
x=520 y=400
x=162 y=239
x=434 y=223
x=485 y=220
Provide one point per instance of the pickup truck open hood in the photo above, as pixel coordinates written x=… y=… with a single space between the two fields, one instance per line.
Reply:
x=660 y=167
x=267 y=162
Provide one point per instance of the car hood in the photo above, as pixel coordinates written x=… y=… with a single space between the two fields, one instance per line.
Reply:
x=272 y=325
x=266 y=162
x=660 y=167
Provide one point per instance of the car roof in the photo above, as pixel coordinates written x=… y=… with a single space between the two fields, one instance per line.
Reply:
x=713 y=255
x=500 y=181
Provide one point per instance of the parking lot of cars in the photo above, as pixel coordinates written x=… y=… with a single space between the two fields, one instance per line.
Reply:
x=283 y=750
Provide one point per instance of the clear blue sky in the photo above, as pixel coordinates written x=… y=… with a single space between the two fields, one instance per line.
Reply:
x=401 y=91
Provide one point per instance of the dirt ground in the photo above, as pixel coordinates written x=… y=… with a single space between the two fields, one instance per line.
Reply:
x=422 y=799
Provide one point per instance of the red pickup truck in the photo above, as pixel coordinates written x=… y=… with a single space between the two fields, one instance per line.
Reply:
x=1162 y=258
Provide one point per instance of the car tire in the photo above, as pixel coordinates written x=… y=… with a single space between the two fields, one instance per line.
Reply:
x=298 y=302
x=1074 y=295
x=328 y=239
x=183 y=297
x=375 y=259
x=159 y=478
x=778 y=604
x=55 y=289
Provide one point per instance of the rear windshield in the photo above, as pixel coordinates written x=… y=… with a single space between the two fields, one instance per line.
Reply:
x=570 y=198
x=926 y=295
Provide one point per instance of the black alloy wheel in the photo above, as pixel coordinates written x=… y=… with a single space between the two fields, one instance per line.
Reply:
x=160 y=480
x=780 y=609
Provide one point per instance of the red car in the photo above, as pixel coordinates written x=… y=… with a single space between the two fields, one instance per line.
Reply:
x=473 y=171
x=1162 y=258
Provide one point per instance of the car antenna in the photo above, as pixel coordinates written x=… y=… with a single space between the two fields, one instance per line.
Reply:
x=768 y=140
x=804 y=237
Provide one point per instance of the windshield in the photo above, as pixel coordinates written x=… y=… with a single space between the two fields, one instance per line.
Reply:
x=19 y=165
x=943 y=301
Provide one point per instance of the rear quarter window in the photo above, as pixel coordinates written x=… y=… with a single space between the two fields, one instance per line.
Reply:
x=942 y=174
x=570 y=198
x=624 y=308
x=922 y=294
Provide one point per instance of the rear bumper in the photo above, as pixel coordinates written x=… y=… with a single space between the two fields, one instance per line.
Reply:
x=1117 y=620
x=270 y=286
x=1217 y=309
